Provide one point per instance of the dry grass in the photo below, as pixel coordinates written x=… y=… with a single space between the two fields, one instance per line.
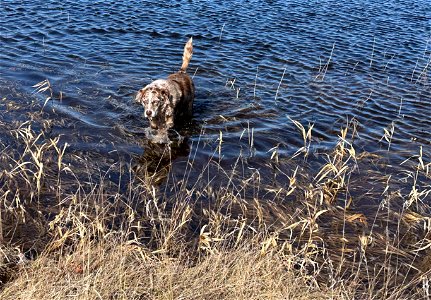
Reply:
x=126 y=271
x=225 y=234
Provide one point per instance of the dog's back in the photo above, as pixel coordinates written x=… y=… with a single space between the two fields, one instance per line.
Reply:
x=185 y=87
x=184 y=103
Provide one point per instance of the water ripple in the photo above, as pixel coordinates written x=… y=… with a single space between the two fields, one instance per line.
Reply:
x=255 y=63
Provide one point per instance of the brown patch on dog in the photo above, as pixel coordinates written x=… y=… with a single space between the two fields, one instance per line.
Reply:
x=169 y=102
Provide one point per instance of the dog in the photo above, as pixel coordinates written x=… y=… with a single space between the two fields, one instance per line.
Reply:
x=169 y=102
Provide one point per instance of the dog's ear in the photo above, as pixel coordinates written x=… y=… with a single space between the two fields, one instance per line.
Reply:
x=140 y=95
x=167 y=97
x=165 y=94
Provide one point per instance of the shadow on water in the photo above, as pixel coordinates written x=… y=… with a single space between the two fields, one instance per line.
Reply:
x=154 y=165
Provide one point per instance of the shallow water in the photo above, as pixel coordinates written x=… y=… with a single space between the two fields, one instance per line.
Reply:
x=256 y=66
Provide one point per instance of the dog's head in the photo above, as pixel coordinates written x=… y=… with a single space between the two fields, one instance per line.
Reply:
x=154 y=97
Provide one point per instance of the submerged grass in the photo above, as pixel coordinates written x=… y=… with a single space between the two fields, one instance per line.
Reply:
x=68 y=231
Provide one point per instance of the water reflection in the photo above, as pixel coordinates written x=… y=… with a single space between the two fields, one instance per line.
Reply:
x=160 y=150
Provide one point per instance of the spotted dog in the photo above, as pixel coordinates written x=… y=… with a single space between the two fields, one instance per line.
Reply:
x=169 y=102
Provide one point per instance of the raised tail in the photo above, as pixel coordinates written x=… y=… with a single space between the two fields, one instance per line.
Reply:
x=187 y=55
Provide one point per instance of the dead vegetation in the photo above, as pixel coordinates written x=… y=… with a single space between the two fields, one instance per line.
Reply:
x=222 y=234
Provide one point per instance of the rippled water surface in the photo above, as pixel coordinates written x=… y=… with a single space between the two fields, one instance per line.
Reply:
x=257 y=65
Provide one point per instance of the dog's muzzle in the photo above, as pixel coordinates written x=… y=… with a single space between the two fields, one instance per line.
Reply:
x=149 y=113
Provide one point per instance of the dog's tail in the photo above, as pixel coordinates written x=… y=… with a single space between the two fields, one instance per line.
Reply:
x=187 y=55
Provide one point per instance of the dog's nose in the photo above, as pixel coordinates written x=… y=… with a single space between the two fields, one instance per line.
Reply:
x=148 y=113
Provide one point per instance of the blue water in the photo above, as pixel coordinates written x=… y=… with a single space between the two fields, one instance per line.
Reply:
x=255 y=65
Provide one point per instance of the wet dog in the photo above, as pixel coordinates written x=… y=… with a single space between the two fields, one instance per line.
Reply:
x=169 y=102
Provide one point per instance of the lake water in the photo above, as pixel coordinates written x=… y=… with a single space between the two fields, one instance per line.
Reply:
x=256 y=66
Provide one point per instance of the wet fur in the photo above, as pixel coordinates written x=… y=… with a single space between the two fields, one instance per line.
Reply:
x=169 y=102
